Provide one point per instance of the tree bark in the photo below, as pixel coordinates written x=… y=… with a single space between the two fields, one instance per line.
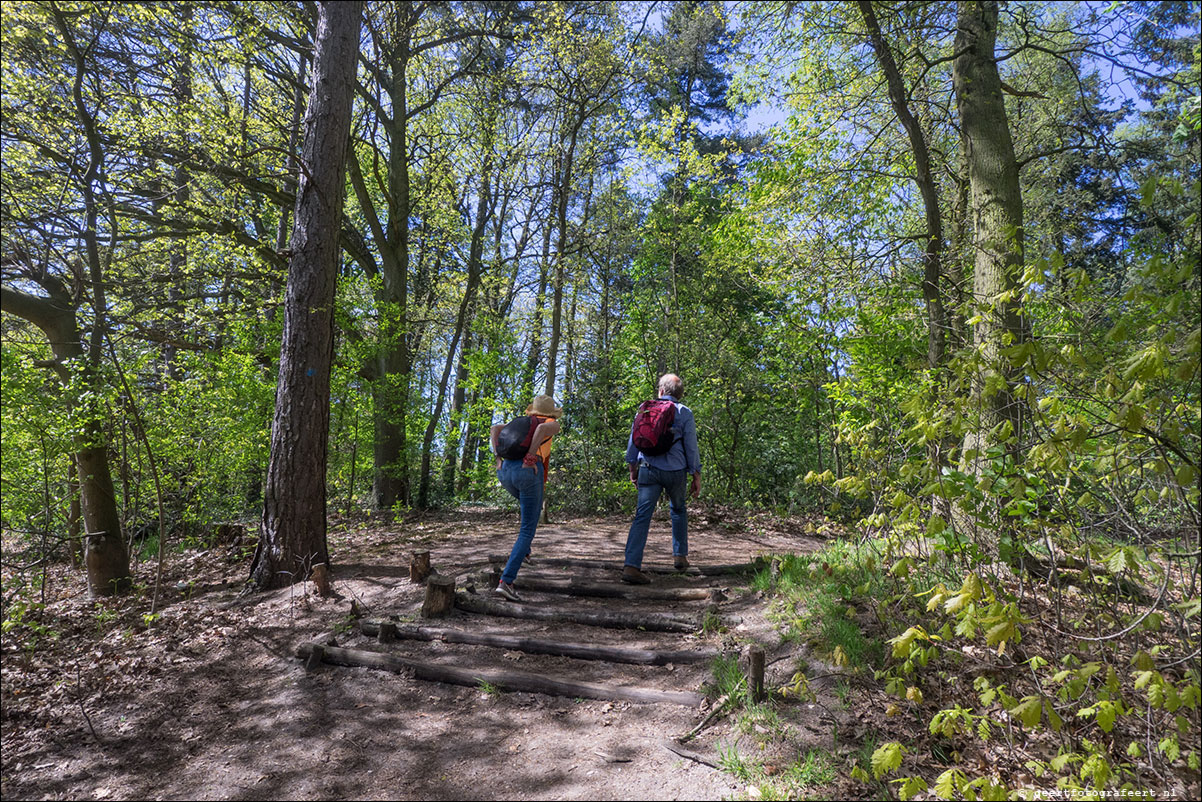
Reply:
x=294 y=509
x=997 y=221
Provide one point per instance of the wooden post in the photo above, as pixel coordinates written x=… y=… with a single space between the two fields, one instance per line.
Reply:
x=440 y=597
x=313 y=661
x=387 y=633
x=321 y=580
x=419 y=566
x=755 y=672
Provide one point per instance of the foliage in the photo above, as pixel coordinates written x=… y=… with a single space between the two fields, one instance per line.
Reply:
x=578 y=197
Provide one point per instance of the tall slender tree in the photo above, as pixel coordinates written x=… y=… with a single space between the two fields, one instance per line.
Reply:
x=294 y=511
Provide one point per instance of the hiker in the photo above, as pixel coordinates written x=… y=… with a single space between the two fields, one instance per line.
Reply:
x=662 y=459
x=524 y=478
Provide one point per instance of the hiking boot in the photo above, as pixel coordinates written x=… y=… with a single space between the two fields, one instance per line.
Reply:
x=506 y=590
x=634 y=576
x=680 y=562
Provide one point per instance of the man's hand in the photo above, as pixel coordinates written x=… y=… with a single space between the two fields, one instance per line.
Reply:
x=634 y=472
x=696 y=489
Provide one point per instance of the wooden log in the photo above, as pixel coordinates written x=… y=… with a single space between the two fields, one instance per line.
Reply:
x=440 y=597
x=755 y=672
x=610 y=590
x=652 y=622
x=419 y=566
x=581 y=651
x=692 y=570
x=324 y=639
x=504 y=680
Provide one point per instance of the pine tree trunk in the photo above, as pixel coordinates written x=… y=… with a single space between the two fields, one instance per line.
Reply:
x=294 y=509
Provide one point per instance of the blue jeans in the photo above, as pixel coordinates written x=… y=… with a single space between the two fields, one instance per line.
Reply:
x=526 y=485
x=652 y=482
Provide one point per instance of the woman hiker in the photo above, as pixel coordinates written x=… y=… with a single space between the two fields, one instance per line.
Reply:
x=524 y=479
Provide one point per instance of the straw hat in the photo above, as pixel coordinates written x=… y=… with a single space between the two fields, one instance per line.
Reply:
x=544 y=405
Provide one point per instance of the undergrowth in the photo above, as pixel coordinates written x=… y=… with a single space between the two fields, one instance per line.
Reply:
x=997 y=684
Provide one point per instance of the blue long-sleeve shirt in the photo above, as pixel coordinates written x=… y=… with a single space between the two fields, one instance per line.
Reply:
x=683 y=454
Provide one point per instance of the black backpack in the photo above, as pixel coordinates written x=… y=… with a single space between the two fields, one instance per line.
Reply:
x=513 y=441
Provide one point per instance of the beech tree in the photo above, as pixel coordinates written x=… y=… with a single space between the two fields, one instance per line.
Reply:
x=996 y=210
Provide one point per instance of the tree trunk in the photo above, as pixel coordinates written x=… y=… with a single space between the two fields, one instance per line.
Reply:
x=294 y=508
x=394 y=364
x=450 y=458
x=932 y=292
x=565 y=191
x=105 y=554
x=997 y=214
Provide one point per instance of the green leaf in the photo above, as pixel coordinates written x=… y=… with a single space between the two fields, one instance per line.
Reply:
x=1170 y=748
x=949 y=783
x=887 y=758
x=910 y=787
x=1107 y=712
x=1028 y=711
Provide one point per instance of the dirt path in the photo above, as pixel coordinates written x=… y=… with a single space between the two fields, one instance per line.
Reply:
x=208 y=700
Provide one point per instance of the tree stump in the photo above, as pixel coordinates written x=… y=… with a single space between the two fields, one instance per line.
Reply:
x=387 y=632
x=440 y=597
x=419 y=566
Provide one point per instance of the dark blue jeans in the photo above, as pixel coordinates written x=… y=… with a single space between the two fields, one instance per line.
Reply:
x=653 y=482
x=526 y=485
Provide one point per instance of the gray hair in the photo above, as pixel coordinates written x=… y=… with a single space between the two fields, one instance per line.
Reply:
x=670 y=384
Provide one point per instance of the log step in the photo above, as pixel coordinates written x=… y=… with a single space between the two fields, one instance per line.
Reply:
x=693 y=570
x=612 y=590
x=503 y=680
x=652 y=622
x=581 y=651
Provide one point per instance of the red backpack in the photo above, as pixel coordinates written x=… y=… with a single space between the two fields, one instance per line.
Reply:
x=652 y=432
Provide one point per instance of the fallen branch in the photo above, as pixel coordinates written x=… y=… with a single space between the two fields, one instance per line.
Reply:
x=719 y=707
x=696 y=757
x=504 y=680
x=581 y=651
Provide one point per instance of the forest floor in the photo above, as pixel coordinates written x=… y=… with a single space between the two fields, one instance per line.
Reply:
x=206 y=699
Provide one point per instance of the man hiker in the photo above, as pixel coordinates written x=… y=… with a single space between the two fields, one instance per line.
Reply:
x=662 y=455
x=522 y=470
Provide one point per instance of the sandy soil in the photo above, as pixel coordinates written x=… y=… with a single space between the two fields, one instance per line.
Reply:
x=208 y=701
